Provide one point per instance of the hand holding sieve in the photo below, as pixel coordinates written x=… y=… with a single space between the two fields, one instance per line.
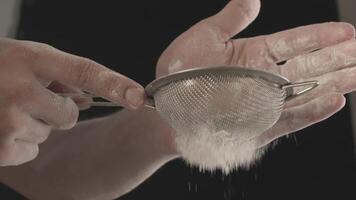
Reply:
x=221 y=98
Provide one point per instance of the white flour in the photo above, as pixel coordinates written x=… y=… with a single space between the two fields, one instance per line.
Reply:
x=216 y=150
x=175 y=66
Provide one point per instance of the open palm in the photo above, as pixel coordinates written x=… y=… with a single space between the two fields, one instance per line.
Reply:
x=209 y=43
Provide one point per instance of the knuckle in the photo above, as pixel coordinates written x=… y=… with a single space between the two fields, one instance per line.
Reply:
x=69 y=115
x=213 y=27
x=84 y=69
x=73 y=113
x=24 y=51
x=115 y=87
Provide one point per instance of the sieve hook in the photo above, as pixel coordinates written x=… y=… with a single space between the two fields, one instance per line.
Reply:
x=312 y=85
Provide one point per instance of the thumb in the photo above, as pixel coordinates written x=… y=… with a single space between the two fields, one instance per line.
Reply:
x=234 y=17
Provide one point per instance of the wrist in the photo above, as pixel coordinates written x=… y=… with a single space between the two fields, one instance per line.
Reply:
x=153 y=133
x=162 y=132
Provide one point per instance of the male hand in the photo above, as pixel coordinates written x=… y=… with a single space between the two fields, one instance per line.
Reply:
x=30 y=76
x=209 y=43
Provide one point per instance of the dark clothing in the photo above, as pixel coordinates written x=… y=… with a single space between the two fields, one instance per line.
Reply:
x=129 y=36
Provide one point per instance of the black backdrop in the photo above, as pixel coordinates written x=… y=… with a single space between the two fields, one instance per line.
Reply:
x=129 y=36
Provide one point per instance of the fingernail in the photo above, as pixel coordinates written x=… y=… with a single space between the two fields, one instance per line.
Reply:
x=135 y=97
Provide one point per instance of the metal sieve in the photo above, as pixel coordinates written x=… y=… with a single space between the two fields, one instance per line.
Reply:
x=231 y=99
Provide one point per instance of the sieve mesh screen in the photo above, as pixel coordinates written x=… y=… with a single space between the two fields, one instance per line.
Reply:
x=244 y=105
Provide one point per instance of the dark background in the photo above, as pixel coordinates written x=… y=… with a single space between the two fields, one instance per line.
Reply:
x=129 y=36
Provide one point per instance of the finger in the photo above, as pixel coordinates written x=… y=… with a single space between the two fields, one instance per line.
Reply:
x=14 y=124
x=82 y=102
x=42 y=104
x=342 y=81
x=302 y=116
x=321 y=62
x=19 y=136
x=51 y=64
x=285 y=45
x=34 y=131
x=17 y=152
x=17 y=124
x=234 y=18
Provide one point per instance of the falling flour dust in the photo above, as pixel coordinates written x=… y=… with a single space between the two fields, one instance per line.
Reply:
x=210 y=150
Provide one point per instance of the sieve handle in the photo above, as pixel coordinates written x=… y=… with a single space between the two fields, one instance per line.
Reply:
x=310 y=85
x=101 y=103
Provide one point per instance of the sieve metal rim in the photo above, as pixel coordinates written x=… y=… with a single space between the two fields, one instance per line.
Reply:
x=272 y=79
x=278 y=80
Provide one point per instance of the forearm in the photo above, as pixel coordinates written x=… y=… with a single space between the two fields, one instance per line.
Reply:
x=98 y=159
